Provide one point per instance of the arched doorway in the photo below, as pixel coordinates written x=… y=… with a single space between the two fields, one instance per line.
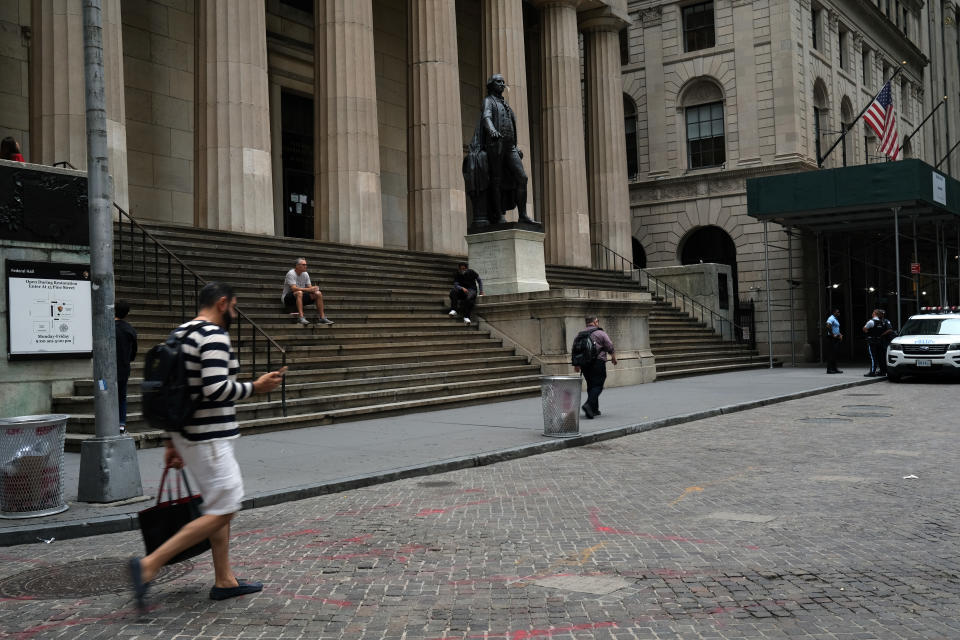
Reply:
x=639 y=255
x=711 y=244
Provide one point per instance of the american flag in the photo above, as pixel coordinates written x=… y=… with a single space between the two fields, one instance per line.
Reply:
x=882 y=119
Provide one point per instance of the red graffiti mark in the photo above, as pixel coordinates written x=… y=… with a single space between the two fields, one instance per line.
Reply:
x=28 y=633
x=247 y=533
x=292 y=534
x=428 y=512
x=597 y=526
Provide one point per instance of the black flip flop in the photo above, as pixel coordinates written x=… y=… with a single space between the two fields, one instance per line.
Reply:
x=139 y=586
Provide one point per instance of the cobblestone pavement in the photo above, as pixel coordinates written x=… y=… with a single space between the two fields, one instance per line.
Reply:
x=799 y=520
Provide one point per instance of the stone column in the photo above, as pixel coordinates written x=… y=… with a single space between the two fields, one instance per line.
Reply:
x=234 y=184
x=58 y=123
x=746 y=69
x=652 y=20
x=606 y=138
x=565 y=213
x=347 y=144
x=952 y=88
x=437 y=201
x=504 y=52
x=788 y=75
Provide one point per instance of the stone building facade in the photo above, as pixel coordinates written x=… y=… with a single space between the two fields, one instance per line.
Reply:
x=340 y=120
x=725 y=90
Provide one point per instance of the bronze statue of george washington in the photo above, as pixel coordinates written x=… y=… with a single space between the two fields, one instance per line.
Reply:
x=492 y=170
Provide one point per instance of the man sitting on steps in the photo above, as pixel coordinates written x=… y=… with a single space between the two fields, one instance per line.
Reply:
x=298 y=291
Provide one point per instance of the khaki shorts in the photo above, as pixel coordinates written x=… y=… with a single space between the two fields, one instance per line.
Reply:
x=214 y=469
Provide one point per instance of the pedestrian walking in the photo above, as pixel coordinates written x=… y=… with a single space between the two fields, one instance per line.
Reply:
x=205 y=445
x=126 y=352
x=463 y=296
x=594 y=367
x=873 y=329
x=834 y=338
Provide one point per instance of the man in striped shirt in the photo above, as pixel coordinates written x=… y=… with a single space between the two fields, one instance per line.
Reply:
x=205 y=446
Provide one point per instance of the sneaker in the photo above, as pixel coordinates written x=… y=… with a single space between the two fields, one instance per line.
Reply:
x=324 y=320
x=466 y=321
x=303 y=321
x=452 y=314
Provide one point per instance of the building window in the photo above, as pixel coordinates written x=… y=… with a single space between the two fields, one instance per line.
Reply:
x=698 y=30
x=624 y=46
x=705 y=140
x=630 y=126
x=842 y=44
x=815 y=14
x=867 y=66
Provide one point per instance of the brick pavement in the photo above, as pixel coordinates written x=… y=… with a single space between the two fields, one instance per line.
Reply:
x=789 y=521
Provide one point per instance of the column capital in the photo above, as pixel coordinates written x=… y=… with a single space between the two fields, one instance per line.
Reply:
x=651 y=17
x=603 y=19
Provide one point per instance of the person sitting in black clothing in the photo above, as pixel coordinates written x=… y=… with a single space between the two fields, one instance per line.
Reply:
x=466 y=287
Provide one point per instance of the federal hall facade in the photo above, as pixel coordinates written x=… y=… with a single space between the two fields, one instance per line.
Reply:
x=346 y=120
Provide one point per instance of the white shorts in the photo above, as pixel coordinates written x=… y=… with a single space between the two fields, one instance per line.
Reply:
x=214 y=469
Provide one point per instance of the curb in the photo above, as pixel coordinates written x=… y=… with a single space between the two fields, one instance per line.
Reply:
x=10 y=536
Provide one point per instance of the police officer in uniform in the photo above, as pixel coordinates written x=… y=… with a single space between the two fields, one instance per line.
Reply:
x=874 y=330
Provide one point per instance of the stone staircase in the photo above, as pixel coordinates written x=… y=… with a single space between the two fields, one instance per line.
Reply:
x=392 y=350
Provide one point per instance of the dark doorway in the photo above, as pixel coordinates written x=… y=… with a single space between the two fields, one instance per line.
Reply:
x=711 y=244
x=296 y=122
x=639 y=255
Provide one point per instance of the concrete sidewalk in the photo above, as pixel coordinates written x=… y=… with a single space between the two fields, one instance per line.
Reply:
x=300 y=463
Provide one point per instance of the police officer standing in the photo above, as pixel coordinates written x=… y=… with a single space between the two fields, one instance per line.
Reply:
x=874 y=330
x=889 y=333
x=834 y=337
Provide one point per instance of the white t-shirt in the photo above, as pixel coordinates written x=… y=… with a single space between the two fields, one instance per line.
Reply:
x=302 y=280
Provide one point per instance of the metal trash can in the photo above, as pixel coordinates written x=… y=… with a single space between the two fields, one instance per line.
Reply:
x=561 y=405
x=31 y=466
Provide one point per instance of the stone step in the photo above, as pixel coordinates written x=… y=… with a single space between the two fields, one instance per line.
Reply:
x=708 y=368
x=665 y=357
x=359 y=372
x=152 y=438
x=689 y=363
x=258 y=408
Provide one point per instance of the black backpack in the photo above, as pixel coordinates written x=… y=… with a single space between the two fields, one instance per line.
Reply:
x=584 y=350
x=165 y=388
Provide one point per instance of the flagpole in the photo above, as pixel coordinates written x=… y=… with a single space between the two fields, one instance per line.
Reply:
x=906 y=139
x=944 y=159
x=820 y=158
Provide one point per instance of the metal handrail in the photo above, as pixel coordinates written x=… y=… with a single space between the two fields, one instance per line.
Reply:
x=198 y=282
x=606 y=256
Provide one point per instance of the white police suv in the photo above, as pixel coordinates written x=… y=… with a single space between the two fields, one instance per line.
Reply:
x=928 y=344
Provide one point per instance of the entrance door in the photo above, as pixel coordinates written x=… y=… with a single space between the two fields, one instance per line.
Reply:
x=297 y=157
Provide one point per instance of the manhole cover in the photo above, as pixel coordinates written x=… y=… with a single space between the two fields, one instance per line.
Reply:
x=823 y=420
x=864 y=414
x=866 y=407
x=80 y=579
x=437 y=483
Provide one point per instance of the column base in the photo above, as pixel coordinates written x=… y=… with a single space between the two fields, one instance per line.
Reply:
x=509 y=260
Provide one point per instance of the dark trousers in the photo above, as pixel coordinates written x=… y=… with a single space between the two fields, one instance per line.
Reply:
x=877 y=357
x=122 y=399
x=833 y=348
x=595 y=374
x=463 y=300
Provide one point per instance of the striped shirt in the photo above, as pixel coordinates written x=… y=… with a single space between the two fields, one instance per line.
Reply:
x=212 y=367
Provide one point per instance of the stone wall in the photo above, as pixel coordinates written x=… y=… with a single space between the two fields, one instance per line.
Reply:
x=14 y=56
x=158 y=65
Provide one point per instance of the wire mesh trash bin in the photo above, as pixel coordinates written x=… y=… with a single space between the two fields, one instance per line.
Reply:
x=561 y=405
x=31 y=466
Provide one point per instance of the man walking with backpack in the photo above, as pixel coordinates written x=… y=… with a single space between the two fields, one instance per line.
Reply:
x=589 y=357
x=205 y=443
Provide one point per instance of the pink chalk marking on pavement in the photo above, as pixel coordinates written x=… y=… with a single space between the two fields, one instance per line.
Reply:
x=28 y=633
x=467 y=581
x=246 y=533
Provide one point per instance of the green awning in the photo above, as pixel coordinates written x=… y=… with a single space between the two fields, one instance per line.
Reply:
x=857 y=197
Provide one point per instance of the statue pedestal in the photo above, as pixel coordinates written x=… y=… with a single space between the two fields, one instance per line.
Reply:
x=508 y=260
